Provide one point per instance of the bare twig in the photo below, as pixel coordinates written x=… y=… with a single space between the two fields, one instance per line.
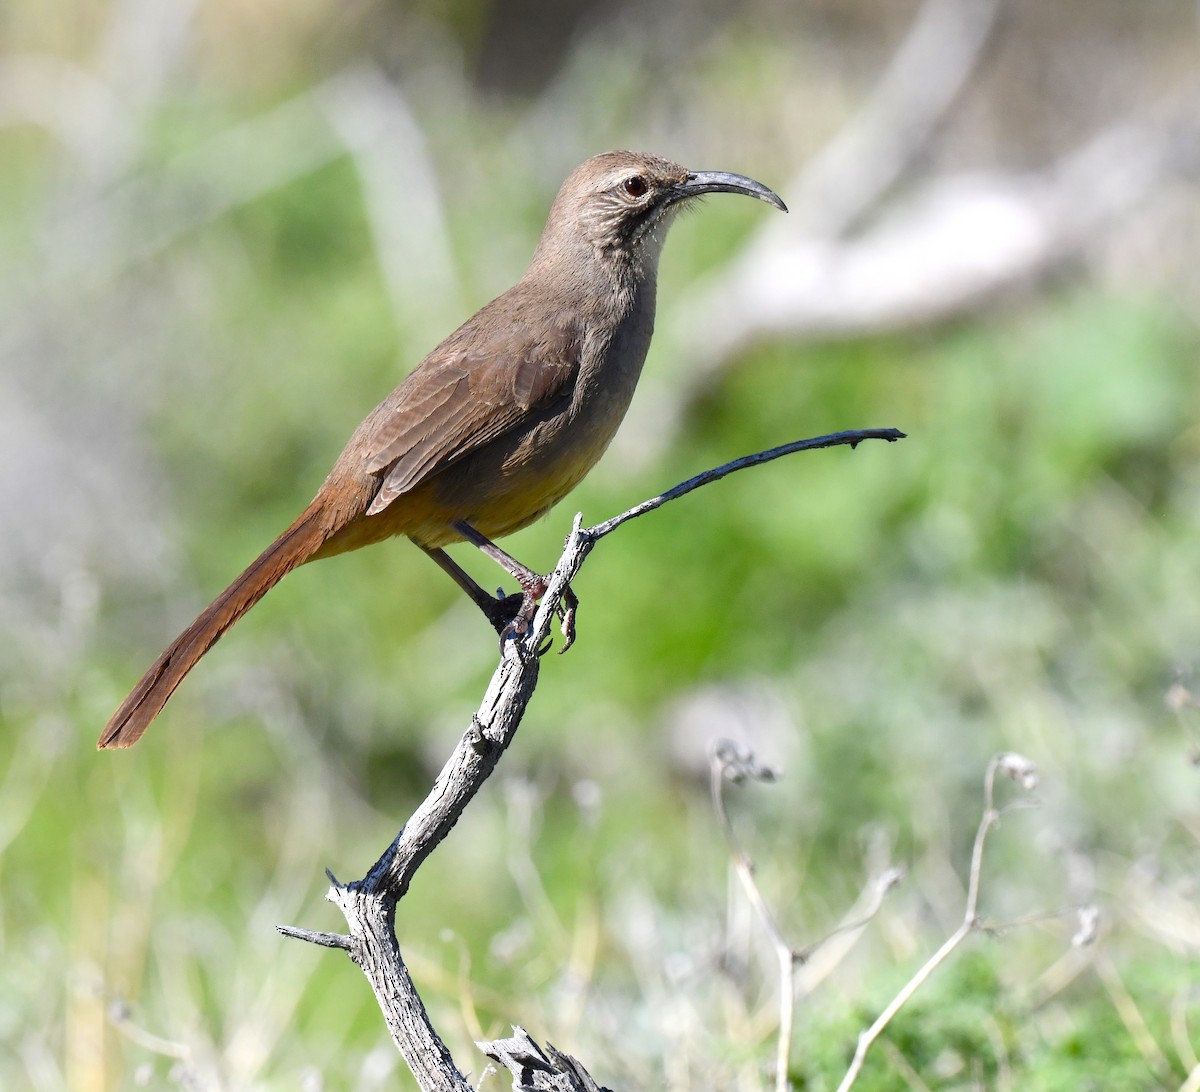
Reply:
x=369 y=904
x=1022 y=771
x=853 y=438
x=321 y=939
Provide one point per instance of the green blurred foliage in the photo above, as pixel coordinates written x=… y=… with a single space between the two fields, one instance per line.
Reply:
x=1018 y=574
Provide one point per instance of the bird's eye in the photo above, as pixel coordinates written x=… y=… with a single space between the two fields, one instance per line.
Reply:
x=636 y=186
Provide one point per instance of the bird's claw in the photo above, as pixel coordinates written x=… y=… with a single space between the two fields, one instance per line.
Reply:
x=567 y=609
x=503 y=612
x=513 y=615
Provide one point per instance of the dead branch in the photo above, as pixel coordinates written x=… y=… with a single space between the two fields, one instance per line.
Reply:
x=369 y=904
x=536 y=1070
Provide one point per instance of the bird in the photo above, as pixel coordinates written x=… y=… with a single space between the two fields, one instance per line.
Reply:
x=498 y=423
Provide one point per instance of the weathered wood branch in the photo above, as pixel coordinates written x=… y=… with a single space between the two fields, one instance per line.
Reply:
x=369 y=904
x=536 y=1070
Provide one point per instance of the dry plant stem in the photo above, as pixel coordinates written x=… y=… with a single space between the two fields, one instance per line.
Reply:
x=786 y=958
x=969 y=923
x=1131 y=1016
x=369 y=904
x=726 y=765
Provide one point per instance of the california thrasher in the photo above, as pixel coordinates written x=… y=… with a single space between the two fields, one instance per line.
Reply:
x=499 y=422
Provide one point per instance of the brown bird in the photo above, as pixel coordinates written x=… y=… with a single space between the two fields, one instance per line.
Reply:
x=499 y=422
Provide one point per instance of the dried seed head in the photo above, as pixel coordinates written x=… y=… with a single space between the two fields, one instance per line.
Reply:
x=1021 y=769
x=737 y=763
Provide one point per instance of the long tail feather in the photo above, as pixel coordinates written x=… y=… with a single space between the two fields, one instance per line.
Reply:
x=295 y=546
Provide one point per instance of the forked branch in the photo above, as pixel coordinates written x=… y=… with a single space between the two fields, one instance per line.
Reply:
x=369 y=904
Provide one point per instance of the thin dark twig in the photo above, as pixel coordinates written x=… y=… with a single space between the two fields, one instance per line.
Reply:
x=835 y=439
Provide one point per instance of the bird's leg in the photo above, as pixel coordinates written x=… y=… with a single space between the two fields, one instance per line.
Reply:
x=533 y=587
x=499 y=610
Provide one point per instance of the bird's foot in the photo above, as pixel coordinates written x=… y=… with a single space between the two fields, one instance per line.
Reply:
x=513 y=616
x=533 y=587
x=502 y=611
x=567 y=609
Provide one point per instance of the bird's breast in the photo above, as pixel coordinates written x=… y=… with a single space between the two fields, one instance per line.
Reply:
x=512 y=481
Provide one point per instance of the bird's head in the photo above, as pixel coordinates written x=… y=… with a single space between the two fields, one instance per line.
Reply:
x=620 y=204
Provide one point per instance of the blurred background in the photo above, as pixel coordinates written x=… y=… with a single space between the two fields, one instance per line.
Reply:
x=227 y=230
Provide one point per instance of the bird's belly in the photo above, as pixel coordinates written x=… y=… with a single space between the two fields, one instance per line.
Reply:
x=511 y=482
x=498 y=489
x=509 y=485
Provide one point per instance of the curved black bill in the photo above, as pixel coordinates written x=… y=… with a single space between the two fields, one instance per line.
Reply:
x=698 y=182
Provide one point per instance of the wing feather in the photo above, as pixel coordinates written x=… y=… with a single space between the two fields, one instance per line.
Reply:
x=456 y=402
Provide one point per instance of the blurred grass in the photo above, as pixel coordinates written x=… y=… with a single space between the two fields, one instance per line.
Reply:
x=1018 y=574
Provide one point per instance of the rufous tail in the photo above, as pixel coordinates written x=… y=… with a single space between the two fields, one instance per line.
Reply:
x=295 y=546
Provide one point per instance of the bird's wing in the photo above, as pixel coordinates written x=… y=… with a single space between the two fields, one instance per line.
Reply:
x=461 y=398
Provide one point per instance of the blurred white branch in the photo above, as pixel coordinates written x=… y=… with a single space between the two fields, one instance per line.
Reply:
x=147 y=212
x=956 y=243
x=917 y=90
x=400 y=191
x=82 y=112
x=104 y=231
